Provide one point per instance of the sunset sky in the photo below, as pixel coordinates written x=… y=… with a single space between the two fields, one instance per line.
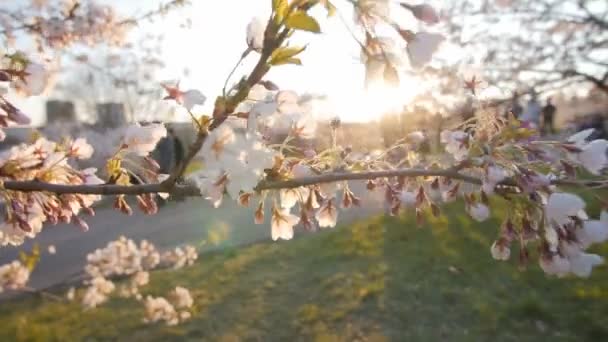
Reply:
x=217 y=38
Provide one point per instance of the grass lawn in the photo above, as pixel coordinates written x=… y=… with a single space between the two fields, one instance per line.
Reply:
x=377 y=280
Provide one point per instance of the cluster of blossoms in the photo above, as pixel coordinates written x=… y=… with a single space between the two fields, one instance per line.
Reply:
x=382 y=55
x=124 y=258
x=172 y=311
x=49 y=162
x=62 y=23
x=180 y=257
x=237 y=153
x=44 y=161
x=97 y=293
x=133 y=161
x=555 y=220
x=27 y=77
x=13 y=276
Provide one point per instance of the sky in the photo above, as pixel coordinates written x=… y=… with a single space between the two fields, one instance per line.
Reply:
x=217 y=38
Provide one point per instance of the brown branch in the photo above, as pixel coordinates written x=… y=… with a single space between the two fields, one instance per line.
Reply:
x=346 y=176
x=190 y=190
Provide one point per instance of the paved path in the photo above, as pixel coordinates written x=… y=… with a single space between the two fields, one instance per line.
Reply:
x=177 y=223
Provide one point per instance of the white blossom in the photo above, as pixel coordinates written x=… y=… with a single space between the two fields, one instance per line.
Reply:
x=71 y=294
x=181 y=298
x=97 y=292
x=80 y=149
x=562 y=206
x=371 y=12
x=13 y=276
x=142 y=140
x=421 y=48
x=425 y=13
x=36 y=79
x=140 y=278
x=120 y=257
x=592 y=232
x=327 y=214
x=330 y=189
x=555 y=265
x=255 y=34
x=159 y=309
x=582 y=264
x=580 y=139
x=408 y=198
x=290 y=197
x=281 y=224
x=494 y=175
x=180 y=257
x=500 y=250
x=217 y=144
x=416 y=137
x=456 y=143
x=11 y=233
x=593 y=156
x=193 y=98
x=479 y=212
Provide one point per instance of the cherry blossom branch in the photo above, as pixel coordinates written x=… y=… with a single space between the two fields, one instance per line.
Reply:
x=189 y=190
x=185 y=190
x=226 y=106
x=348 y=176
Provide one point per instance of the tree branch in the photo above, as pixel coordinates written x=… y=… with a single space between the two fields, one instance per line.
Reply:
x=190 y=190
x=193 y=191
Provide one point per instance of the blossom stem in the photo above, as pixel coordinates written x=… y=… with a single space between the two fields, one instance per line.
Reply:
x=243 y=56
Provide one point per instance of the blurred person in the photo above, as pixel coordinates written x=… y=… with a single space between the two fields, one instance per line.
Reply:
x=515 y=108
x=531 y=116
x=164 y=153
x=548 y=117
x=178 y=149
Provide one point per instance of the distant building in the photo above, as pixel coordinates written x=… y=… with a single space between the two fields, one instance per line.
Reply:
x=111 y=115
x=58 y=112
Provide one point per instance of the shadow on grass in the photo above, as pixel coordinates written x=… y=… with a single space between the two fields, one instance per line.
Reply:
x=377 y=280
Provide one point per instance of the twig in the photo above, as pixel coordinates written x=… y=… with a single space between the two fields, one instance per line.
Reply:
x=43 y=294
x=243 y=56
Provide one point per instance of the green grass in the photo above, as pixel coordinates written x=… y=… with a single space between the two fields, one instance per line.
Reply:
x=377 y=280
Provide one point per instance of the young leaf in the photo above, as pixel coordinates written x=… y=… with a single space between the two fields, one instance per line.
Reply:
x=280 y=8
x=285 y=55
x=331 y=9
x=299 y=20
x=291 y=60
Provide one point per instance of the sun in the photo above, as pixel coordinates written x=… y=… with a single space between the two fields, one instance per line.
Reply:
x=364 y=105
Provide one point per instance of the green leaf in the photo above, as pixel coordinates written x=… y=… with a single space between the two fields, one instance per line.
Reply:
x=285 y=55
x=280 y=9
x=299 y=20
x=331 y=9
x=291 y=60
